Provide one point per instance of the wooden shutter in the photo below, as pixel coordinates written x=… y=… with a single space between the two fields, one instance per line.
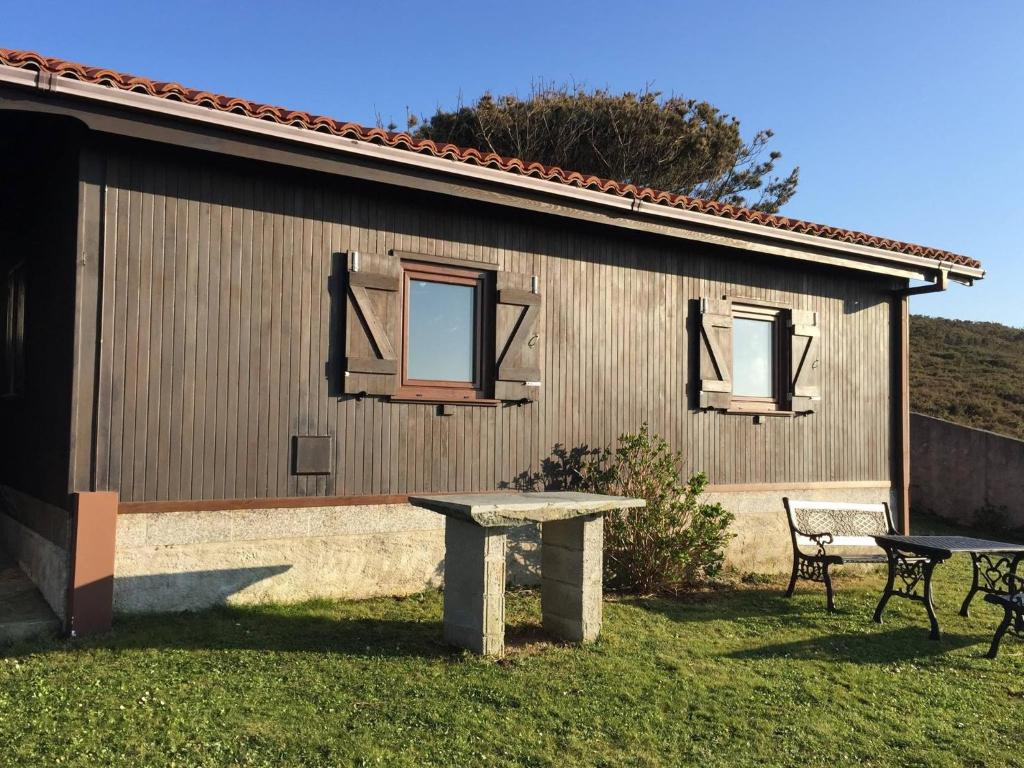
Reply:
x=373 y=323
x=517 y=338
x=805 y=365
x=715 y=353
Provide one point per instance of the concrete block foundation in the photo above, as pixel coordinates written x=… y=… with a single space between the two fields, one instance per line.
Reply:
x=170 y=561
x=571 y=578
x=474 y=589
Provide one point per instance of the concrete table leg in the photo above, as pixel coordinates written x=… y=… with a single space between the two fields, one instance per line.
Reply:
x=474 y=587
x=571 y=588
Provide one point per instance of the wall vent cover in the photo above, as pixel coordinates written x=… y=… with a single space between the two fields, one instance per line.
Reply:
x=311 y=454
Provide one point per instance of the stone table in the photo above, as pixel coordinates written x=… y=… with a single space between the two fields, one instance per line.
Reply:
x=572 y=540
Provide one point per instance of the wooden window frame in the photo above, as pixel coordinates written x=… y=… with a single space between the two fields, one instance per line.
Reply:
x=777 y=402
x=423 y=390
x=12 y=327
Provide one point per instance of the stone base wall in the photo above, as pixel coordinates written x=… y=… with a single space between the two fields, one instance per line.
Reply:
x=762 y=543
x=45 y=563
x=171 y=561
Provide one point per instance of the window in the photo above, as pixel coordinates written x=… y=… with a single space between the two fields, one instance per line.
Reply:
x=756 y=358
x=12 y=323
x=443 y=330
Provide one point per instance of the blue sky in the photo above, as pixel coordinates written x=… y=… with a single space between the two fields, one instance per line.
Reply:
x=904 y=117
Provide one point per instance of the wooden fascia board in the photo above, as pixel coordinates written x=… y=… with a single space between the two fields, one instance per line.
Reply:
x=160 y=120
x=86 y=329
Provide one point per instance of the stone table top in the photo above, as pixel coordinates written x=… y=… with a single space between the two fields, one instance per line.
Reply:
x=522 y=508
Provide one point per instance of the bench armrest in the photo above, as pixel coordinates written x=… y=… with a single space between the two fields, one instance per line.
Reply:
x=1015 y=585
x=821 y=540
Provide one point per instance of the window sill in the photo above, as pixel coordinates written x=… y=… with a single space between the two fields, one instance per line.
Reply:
x=487 y=403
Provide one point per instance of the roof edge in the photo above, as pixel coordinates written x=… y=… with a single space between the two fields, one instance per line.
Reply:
x=52 y=76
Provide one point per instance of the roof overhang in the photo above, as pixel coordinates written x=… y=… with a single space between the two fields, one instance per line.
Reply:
x=140 y=115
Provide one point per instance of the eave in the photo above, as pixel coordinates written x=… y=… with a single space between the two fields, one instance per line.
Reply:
x=140 y=115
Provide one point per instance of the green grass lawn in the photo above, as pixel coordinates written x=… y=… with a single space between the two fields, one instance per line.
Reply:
x=728 y=677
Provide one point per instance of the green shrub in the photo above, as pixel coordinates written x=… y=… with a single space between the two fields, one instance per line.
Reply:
x=677 y=540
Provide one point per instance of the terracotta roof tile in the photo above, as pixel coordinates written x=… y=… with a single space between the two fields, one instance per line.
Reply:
x=176 y=92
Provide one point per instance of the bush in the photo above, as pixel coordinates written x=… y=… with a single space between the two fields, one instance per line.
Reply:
x=676 y=541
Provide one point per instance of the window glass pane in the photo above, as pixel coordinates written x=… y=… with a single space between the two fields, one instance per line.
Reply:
x=441 y=331
x=752 y=357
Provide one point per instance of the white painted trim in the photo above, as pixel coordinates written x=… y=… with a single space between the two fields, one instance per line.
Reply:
x=840 y=541
x=794 y=487
x=844 y=505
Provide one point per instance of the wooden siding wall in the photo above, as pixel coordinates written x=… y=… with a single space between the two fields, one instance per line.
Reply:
x=221 y=338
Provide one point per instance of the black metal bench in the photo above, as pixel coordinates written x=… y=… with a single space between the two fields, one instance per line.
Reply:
x=827 y=526
x=1013 y=605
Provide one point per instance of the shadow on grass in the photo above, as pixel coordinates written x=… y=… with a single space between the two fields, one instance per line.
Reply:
x=311 y=627
x=416 y=631
x=881 y=647
x=858 y=639
x=728 y=604
x=290 y=630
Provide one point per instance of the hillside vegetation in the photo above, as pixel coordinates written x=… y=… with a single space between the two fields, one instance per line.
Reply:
x=970 y=373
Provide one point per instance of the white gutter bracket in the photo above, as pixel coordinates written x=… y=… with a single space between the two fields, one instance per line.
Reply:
x=941 y=284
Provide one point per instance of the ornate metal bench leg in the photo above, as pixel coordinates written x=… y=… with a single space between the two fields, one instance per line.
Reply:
x=1010 y=578
x=997 y=638
x=829 y=592
x=887 y=592
x=929 y=566
x=965 y=609
x=793 y=578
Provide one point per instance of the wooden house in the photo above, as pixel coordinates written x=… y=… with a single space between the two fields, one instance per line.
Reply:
x=237 y=337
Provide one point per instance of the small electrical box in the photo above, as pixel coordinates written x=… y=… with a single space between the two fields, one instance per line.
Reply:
x=311 y=454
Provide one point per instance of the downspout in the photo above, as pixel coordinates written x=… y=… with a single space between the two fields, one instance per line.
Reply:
x=903 y=404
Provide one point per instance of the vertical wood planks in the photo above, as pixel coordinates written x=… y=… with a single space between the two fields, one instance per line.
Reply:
x=217 y=310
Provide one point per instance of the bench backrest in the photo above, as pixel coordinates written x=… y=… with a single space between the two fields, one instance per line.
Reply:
x=850 y=524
